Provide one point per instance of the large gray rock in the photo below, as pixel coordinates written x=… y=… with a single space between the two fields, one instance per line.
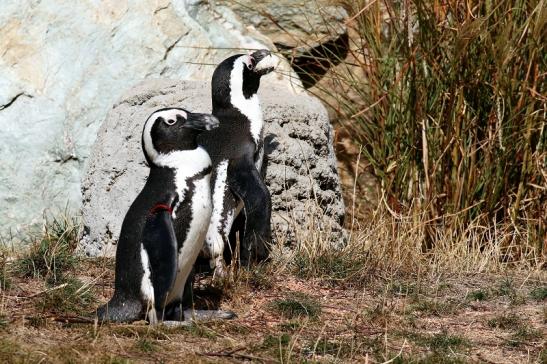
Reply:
x=301 y=166
x=62 y=66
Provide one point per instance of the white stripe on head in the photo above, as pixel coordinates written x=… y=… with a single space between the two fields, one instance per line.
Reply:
x=270 y=61
x=170 y=116
x=249 y=107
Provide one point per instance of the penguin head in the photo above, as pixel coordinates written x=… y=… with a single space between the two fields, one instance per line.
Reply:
x=172 y=129
x=261 y=62
x=239 y=76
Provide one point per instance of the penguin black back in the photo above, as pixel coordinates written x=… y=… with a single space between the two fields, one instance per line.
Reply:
x=164 y=227
x=236 y=149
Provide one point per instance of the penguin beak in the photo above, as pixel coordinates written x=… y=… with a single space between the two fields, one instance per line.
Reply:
x=264 y=61
x=201 y=121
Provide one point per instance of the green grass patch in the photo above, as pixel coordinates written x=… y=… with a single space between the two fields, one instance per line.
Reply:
x=333 y=348
x=431 y=358
x=331 y=266
x=477 y=295
x=274 y=341
x=439 y=343
x=146 y=345
x=4 y=321
x=506 y=288
x=5 y=280
x=37 y=322
x=524 y=335
x=276 y=345
x=200 y=331
x=539 y=293
x=71 y=296
x=290 y=325
x=297 y=305
x=506 y=322
x=433 y=307
x=12 y=352
x=52 y=253
x=444 y=341
x=522 y=332
x=261 y=279
x=8 y=350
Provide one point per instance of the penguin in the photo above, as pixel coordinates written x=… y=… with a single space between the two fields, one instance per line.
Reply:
x=163 y=230
x=236 y=149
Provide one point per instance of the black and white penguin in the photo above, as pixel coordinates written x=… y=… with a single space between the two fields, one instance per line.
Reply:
x=236 y=148
x=163 y=231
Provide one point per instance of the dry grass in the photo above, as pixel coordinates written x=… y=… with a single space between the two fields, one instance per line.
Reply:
x=377 y=299
x=408 y=285
x=393 y=245
x=442 y=104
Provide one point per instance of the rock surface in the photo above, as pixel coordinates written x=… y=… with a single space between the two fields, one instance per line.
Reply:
x=301 y=166
x=312 y=35
x=62 y=66
x=294 y=24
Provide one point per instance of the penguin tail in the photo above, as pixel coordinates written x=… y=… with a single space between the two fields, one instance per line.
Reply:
x=120 y=310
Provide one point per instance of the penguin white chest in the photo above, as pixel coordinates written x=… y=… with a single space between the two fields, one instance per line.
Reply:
x=187 y=166
x=201 y=209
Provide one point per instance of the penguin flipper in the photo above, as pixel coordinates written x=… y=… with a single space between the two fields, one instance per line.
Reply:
x=160 y=242
x=244 y=180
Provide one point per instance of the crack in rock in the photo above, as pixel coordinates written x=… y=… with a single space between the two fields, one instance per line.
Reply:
x=14 y=98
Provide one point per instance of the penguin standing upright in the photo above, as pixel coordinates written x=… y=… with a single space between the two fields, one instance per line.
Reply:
x=163 y=230
x=236 y=148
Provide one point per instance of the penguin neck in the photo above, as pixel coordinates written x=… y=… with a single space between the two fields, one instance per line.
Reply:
x=241 y=95
x=185 y=164
x=252 y=111
x=250 y=108
x=190 y=161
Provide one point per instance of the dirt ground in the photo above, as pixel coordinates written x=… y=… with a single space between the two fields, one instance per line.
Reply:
x=282 y=318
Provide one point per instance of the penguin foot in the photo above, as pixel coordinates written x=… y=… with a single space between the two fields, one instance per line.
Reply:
x=118 y=310
x=191 y=317
x=172 y=323
x=208 y=315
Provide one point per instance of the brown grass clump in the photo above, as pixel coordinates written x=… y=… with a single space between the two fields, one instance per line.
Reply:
x=443 y=104
x=357 y=304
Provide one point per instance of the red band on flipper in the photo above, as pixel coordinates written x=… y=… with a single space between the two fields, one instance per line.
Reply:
x=160 y=207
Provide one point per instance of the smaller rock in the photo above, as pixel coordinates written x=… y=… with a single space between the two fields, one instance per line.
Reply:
x=300 y=162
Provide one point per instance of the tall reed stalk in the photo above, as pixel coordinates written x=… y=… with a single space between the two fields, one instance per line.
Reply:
x=448 y=100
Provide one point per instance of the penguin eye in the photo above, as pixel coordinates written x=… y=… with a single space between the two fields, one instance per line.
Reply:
x=178 y=118
x=170 y=122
